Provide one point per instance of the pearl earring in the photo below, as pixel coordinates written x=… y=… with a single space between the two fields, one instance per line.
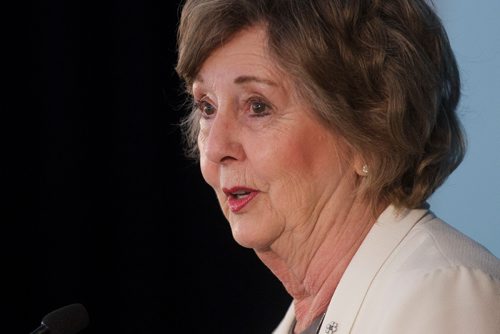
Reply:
x=365 y=169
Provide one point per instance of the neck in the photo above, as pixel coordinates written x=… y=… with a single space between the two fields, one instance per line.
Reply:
x=312 y=275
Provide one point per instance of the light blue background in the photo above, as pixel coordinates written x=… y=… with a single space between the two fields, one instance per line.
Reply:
x=470 y=198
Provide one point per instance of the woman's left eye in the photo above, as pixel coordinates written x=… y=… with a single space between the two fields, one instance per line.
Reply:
x=259 y=108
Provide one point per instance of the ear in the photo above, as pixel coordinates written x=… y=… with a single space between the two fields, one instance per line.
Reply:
x=360 y=165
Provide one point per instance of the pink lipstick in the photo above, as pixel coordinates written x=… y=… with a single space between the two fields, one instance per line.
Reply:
x=239 y=197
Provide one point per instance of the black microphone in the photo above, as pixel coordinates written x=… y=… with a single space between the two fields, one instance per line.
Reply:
x=69 y=319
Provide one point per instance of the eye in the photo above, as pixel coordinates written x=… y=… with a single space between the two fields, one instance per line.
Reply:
x=205 y=108
x=259 y=108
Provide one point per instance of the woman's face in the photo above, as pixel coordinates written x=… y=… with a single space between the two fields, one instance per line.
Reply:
x=272 y=164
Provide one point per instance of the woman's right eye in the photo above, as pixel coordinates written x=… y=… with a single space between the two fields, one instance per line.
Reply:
x=206 y=108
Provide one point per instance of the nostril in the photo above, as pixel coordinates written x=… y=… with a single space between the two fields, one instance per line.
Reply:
x=227 y=158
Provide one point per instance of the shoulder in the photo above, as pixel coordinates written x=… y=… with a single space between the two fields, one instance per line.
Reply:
x=454 y=299
x=437 y=280
x=433 y=245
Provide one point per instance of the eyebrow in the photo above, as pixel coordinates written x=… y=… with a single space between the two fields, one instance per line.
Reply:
x=243 y=79
x=250 y=78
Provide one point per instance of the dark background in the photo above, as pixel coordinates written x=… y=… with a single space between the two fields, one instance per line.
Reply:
x=102 y=208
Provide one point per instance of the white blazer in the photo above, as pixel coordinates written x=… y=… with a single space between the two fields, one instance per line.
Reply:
x=414 y=274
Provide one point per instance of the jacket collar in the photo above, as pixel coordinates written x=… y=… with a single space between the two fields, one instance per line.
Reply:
x=386 y=234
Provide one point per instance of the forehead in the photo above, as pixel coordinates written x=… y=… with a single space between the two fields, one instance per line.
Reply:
x=250 y=40
x=245 y=54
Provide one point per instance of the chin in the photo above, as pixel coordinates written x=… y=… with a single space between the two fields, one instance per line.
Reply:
x=250 y=236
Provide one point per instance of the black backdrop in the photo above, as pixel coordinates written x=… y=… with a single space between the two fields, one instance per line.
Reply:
x=107 y=211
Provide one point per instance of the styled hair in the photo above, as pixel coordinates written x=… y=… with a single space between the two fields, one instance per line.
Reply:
x=381 y=73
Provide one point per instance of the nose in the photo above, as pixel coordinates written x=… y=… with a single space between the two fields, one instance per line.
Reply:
x=222 y=143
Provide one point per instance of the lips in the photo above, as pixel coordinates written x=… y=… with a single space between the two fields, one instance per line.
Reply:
x=239 y=197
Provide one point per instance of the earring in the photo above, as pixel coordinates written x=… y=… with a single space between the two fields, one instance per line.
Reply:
x=365 y=169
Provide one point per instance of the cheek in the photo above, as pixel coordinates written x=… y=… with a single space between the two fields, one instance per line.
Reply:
x=299 y=166
x=282 y=172
x=284 y=158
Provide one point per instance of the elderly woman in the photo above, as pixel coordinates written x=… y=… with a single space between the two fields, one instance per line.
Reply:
x=323 y=126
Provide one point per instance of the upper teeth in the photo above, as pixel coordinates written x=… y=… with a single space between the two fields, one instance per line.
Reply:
x=240 y=193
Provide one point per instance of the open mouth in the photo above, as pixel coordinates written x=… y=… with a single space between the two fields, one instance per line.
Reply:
x=239 y=197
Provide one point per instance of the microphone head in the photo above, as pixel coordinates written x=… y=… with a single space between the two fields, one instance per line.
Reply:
x=69 y=319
